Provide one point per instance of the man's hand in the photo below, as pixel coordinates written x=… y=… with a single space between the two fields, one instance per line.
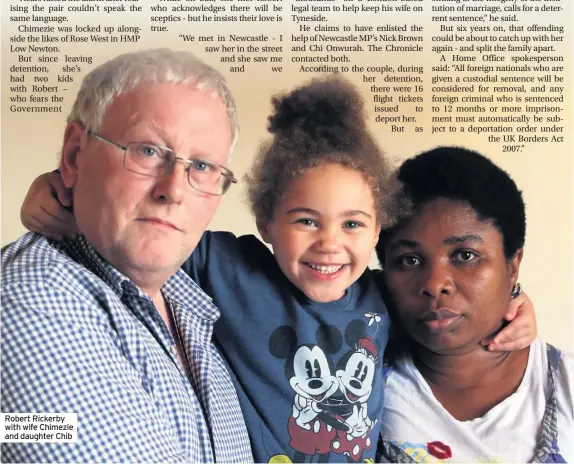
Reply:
x=47 y=208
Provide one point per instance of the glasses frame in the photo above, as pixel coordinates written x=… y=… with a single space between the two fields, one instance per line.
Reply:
x=226 y=173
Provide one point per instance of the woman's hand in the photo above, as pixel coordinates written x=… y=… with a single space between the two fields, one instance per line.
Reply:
x=47 y=208
x=521 y=330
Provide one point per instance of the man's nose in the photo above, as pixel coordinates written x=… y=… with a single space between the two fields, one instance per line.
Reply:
x=438 y=280
x=172 y=187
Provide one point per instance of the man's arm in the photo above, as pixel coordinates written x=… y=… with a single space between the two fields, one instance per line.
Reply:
x=58 y=364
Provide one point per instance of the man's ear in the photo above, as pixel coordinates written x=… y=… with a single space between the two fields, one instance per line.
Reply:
x=514 y=264
x=72 y=144
x=263 y=228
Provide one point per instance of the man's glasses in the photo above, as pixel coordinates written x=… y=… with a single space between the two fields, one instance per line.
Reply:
x=157 y=161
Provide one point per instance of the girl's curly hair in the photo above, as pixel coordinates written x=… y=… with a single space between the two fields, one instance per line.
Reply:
x=320 y=122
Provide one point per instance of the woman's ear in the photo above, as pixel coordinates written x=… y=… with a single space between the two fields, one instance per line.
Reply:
x=72 y=144
x=515 y=265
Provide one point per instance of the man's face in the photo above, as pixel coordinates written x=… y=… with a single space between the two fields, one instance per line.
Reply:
x=147 y=226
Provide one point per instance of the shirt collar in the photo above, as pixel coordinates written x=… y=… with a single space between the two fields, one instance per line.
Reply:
x=179 y=287
x=83 y=252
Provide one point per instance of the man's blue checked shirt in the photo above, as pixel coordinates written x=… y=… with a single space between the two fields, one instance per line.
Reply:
x=80 y=337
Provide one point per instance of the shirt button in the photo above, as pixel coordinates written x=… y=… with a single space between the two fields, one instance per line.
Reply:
x=174 y=349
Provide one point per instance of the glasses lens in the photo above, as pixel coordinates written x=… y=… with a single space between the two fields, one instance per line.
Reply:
x=206 y=177
x=225 y=183
x=147 y=159
x=151 y=160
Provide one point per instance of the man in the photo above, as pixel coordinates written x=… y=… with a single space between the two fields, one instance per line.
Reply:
x=106 y=326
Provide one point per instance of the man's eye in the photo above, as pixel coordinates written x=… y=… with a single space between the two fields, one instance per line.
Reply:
x=201 y=166
x=148 y=150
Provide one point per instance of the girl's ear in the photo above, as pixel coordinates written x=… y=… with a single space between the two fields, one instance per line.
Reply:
x=377 y=234
x=263 y=228
x=72 y=144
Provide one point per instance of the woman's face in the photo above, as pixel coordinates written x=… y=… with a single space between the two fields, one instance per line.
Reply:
x=448 y=278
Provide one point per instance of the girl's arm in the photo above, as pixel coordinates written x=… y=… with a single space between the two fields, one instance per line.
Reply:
x=47 y=208
x=521 y=330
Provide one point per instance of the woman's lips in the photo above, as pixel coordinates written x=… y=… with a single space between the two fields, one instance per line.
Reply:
x=440 y=320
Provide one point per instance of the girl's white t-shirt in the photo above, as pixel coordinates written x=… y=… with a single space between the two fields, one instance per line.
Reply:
x=416 y=422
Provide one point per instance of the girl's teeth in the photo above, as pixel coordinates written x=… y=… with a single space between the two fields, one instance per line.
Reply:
x=325 y=269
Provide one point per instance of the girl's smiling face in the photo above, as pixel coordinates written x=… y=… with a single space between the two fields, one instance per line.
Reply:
x=324 y=230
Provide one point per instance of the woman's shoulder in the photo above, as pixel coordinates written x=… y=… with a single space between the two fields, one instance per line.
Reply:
x=558 y=360
x=561 y=366
x=398 y=361
x=564 y=370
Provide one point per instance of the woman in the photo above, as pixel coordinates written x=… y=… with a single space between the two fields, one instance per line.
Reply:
x=450 y=269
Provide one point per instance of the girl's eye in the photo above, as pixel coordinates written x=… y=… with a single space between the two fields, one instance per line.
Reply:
x=352 y=225
x=465 y=256
x=306 y=222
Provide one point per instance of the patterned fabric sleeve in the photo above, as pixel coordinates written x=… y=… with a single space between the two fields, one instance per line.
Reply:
x=77 y=367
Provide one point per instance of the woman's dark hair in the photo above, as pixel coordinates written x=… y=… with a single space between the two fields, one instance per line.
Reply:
x=460 y=174
x=320 y=122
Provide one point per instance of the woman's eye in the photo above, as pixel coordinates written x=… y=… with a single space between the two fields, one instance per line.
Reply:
x=410 y=261
x=465 y=255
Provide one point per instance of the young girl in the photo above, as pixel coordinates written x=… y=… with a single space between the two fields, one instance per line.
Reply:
x=304 y=328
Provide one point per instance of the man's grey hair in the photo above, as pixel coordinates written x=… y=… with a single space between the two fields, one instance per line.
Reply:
x=163 y=65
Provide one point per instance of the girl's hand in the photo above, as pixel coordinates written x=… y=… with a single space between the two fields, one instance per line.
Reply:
x=521 y=330
x=47 y=208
